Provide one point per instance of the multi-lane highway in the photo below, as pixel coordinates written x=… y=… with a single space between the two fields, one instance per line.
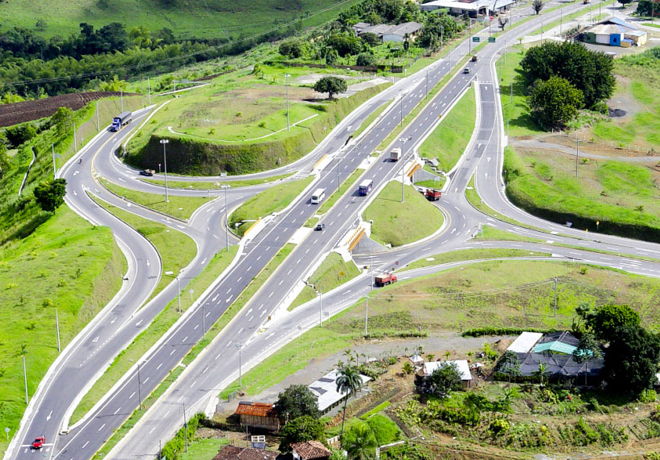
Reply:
x=122 y=320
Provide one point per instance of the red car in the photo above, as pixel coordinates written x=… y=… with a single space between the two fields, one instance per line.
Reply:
x=39 y=442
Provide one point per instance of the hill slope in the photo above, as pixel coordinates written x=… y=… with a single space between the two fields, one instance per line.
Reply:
x=187 y=18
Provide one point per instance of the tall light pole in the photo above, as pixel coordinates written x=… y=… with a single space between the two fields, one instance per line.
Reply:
x=403 y=164
x=57 y=328
x=577 y=155
x=239 y=345
x=366 y=318
x=321 y=308
x=401 y=106
x=139 y=389
x=178 y=283
x=165 y=142
x=286 y=83
x=225 y=187
x=25 y=380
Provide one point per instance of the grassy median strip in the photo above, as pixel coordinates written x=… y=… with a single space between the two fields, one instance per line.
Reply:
x=473 y=254
x=197 y=185
x=495 y=234
x=448 y=141
x=398 y=223
x=160 y=325
x=267 y=202
x=176 y=249
x=180 y=207
x=349 y=183
x=227 y=316
x=332 y=272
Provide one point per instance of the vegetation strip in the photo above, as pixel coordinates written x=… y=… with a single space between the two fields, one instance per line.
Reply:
x=179 y=207
x=198 y=185
x=216 y=329
x=473 y=254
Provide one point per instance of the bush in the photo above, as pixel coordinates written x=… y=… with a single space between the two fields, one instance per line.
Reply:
x=648 y=396
x=482 y=331
x=366 y=60
x=384 y=429
x=174 y=446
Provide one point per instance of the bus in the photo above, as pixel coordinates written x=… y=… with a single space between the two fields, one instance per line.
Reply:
x=318 y=195
x=365 y=187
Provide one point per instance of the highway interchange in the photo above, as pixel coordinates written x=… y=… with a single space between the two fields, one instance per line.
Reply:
x=85 y=359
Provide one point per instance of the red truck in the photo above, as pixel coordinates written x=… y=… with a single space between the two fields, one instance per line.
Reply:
x=432 y=194
x=385 y=279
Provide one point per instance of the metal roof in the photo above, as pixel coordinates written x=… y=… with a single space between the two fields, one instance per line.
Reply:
x=555 y=347
x=325 y=389
x=525 y=342
x=461 y=364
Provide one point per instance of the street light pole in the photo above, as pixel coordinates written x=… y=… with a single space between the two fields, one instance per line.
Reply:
x=57 y=327
x=577 y=155
x=139 y=385
x=239 y=345
x=185 y=426
x=403 y=164
x=25 y=380
x=165 y=142
x=178 y=283
x=321 y=308
x=286 y=80
x=366 y=318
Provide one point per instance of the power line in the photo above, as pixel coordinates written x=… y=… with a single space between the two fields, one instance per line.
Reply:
x=154 y=63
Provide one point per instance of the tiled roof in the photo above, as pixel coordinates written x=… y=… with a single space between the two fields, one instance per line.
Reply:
x=310 y=450
x=244 y=453
x=256 y=409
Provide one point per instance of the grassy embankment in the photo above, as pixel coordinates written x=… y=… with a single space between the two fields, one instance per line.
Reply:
x=72 y=266
x=622 y=197
x=180 y=207
x=496 y=293
x=448 y=141
x=212 y=19
x=176 y=249
x=332 y=273
x=265 y=203
x=196 y=185
x=398 y=223
x=219 y=127
x=229 y=314
x=473 y=254
x=65 y=265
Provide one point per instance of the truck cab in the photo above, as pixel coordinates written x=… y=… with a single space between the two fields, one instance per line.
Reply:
x=395 y=154
x=432 y=194
x=385 y=279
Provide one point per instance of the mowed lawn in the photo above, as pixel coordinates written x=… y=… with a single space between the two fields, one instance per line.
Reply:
x=449 y=140
x=399 y=223
x=607 y=191
x=66 y=265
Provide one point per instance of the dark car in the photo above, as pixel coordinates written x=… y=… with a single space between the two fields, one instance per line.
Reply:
x=319 y=227
x=466 y=70
x=147 y=172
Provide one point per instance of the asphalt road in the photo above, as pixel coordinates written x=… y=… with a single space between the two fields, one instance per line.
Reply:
x=251 y=327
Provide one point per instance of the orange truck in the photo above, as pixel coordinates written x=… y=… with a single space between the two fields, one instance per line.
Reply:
x=385 y=279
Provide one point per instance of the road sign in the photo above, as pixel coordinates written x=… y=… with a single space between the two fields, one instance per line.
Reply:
x=476 y=39
x=492 y=39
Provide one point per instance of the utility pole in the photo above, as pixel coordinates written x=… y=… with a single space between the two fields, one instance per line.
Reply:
x=25 y=380
x=57 y=328
x=555 y=296
x=185 y=426
x=98 y=124
x=321 y=308
x=203 y=322
x=401 y=106
x=366 y=318
x=403 y=164
x=225 y=187
x=511 y=101
x=427 y=83
x=561 y=20
x=139 y=385
x=286 y=80
x=52 y=148
x=149 y=90
x=121 y=99
x=75 y=142
x=178 y=283
x=165 y=142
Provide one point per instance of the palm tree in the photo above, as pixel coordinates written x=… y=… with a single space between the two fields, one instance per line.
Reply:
x=360 y=443
x=430 y=356
x=447 y=355
x=541 y=372
x=348 y=381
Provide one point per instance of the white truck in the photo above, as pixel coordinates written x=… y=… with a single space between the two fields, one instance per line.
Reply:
x=395 y=154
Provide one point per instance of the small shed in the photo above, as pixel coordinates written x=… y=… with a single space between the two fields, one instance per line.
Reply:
x=461 y=364
x=325 y=390
x=245 y=453
x=258 y=415
x=310 y=450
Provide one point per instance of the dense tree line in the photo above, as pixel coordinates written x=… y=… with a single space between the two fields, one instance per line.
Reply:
x=33 y=66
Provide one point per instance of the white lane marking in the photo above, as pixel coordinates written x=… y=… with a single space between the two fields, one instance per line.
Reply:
x=228 y=299
x=159 y=366
x=115 y=412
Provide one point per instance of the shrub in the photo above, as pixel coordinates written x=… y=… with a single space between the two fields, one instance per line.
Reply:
x=384 y=429
x=648 y=396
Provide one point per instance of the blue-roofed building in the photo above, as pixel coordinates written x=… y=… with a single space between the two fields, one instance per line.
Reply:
x=614 y=32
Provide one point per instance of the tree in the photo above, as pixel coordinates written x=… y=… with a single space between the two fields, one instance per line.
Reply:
x=366 y=59
x=541 y=373
x=50 y=195
x=631 y=361
x=537 y=6
x=555 y=102
x=608 y=319
x=62 y=120
x=296 y=401
x=344 y=44
x=587 y=350
x=330 y=85
x=589 y=71
x=625 y=2
x=647 y=8
x=348 y=381
x=360 y=442
x=370 y=39
x=292 y=49
x=442 y=381
x=509 y=365
x=502 y=22
x=40 y=25
x=302 y=429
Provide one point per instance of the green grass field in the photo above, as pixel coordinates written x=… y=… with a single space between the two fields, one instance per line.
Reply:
x=67 y=266
x=613 y=193
x=180 y=207
x=211 y=19
x=176 y=249
x=514 y=109
x=161 y=324
x=474 y=254
x=264 y=203
x=214 y=185
x=449 y=140
x=398 y=223
x=569 y=17
x=497 y=293
x=332 y=273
